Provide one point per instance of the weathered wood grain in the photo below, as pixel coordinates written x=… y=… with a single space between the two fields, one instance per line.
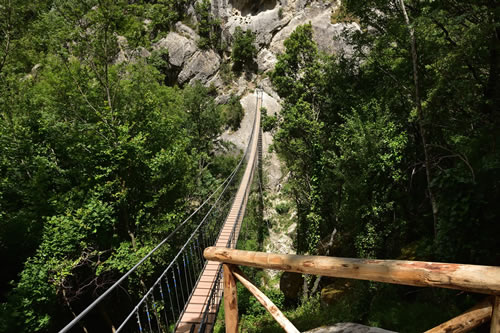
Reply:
x=230 y=300
x=266 y=302
x=474 y=278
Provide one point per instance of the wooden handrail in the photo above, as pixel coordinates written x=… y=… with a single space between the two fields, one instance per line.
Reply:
x=474 y=278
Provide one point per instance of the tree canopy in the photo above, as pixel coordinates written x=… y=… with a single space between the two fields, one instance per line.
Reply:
x=99 y=159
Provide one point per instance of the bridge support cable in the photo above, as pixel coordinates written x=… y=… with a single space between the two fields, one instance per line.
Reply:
x=178 y=269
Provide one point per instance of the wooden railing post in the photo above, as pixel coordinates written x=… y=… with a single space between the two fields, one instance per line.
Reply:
x=266 y=302
x=495 y=316
x=230 y=300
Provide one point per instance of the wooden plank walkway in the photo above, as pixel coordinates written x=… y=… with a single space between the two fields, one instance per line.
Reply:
x=194 y=310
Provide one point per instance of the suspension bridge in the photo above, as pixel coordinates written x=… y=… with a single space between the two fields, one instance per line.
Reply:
x=186 y=295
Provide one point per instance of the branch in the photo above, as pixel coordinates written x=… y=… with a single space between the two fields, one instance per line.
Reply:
x=459 y=155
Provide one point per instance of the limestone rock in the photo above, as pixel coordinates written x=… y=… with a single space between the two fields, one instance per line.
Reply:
x=127 y=54
x=265 y=24
x=200 y=67
x=267 y=86
x=216 y=81
x=265 y=60
x=186 y=31
x=252 y=7
x=324 y=32
x=179 y=48
x=240 y=137
x=348 y=328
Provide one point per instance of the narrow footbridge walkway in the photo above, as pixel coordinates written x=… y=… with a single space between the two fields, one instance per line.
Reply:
x=201 y=310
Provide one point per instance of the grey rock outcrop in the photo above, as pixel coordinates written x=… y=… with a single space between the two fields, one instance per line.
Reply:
x=265 y=60
x=179 y=48
x=264 y=25
x=200 y=67
x=183 y=29
x=324 y=32
x=126 y=54
x=273 y=21
x=348 y=328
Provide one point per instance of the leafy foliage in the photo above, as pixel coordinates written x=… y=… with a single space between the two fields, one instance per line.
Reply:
x=243 y=49
x=232 y=113
x=208 y=26
x=99 y=159
x=351 y=137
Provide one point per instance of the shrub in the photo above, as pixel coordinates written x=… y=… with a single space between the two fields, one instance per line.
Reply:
x=232 y=113
x=268 y=122
x=244 y=50
x=208 y=26
x=282 y=208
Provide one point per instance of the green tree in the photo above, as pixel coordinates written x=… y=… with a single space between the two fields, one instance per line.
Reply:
x=208 y=26
x=99 y=160
x=232 y=112
x=243 y=49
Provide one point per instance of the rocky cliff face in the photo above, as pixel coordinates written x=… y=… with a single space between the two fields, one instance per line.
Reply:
x=272 y=21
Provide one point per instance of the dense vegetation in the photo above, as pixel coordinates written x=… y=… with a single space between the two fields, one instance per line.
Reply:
x=99 y=159
x=395 y=143
x=243 y=50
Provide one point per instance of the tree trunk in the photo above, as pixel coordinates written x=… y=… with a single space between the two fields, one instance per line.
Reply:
x=68 y=304
x=420 y=115
x=318 y=279
x=108 y=320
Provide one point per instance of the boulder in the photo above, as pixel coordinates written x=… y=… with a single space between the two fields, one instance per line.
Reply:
x=348 y=328
x=179 y=48
x=265 y=60
x=200 y=67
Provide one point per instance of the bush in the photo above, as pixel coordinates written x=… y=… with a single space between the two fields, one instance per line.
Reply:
x=268 y=122
x=233 y=113
x=282 y=208
x=244 y=50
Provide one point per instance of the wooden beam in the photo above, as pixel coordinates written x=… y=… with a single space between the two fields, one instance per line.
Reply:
x=230 y=300
x=495 y=317
x=474 y=278
x=468 y=320
x=266 y=302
